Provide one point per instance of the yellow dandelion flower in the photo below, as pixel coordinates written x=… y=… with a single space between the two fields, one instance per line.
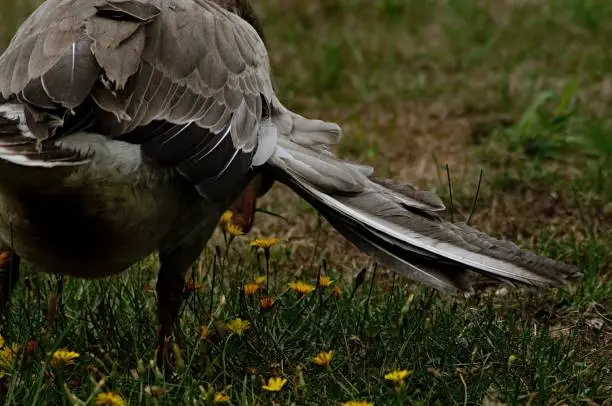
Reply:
x=302 y=288
x=221 y=397
x=1 y=341
x=358 y=403
x=109 y=399
x=261 y=279
x=65 y=356
x=8 y=355
x=251 y=288
x=266 y=302
x=337 y=292
x=234 y=230
x=265 y=243
x=398 y=375
x=226 y=217
x=325 y=281
x=323 y=358
x=238 y=326
x=275 y=384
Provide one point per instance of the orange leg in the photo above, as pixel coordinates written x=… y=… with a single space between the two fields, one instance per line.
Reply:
x=244 y=206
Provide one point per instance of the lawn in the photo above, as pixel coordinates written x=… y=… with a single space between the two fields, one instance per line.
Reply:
x=516 y=90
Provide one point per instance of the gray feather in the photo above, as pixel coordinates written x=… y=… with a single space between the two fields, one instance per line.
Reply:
x=398 y=226
x=326 y=172
x=408 y=194
x=70 y=80
x=122 y=60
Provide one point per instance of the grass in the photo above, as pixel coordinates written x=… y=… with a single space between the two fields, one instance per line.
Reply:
x=520 y=90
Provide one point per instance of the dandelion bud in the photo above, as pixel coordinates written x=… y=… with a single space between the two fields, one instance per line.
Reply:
x=140 y=367
x=180 y=363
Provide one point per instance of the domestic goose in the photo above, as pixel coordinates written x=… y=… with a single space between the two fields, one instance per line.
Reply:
x=127 y=127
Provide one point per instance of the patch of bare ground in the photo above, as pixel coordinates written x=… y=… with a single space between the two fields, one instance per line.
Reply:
x=526 y=212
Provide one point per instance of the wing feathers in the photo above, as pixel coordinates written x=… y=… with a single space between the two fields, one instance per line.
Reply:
x=72 y=77
x=35 y=95
x=128 y=10
x=20 y=71
x=192 y=64
x=109 y=34
x=105 y=100
x=121 y=60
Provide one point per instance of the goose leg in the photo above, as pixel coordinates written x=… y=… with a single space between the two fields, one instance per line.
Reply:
x=9 y=274
x=170 y=288
x=245 y=205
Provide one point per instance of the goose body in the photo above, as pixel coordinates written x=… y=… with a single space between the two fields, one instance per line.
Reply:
x=128 y=126
x=98 y=219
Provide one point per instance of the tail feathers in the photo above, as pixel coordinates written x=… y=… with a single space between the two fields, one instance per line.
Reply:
x=302 y=149
x=398 y=226
x=408 y=195
x=452 y=279
x=320 y=169
x=303 y=131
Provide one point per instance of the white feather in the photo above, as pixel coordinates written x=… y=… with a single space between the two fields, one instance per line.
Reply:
x=15 y=112
x=450 y=251
x=23 y=160
x=267 y=141
x=107 y=154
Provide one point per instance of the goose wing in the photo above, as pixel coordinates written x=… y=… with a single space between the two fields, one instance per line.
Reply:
x=186 y=79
